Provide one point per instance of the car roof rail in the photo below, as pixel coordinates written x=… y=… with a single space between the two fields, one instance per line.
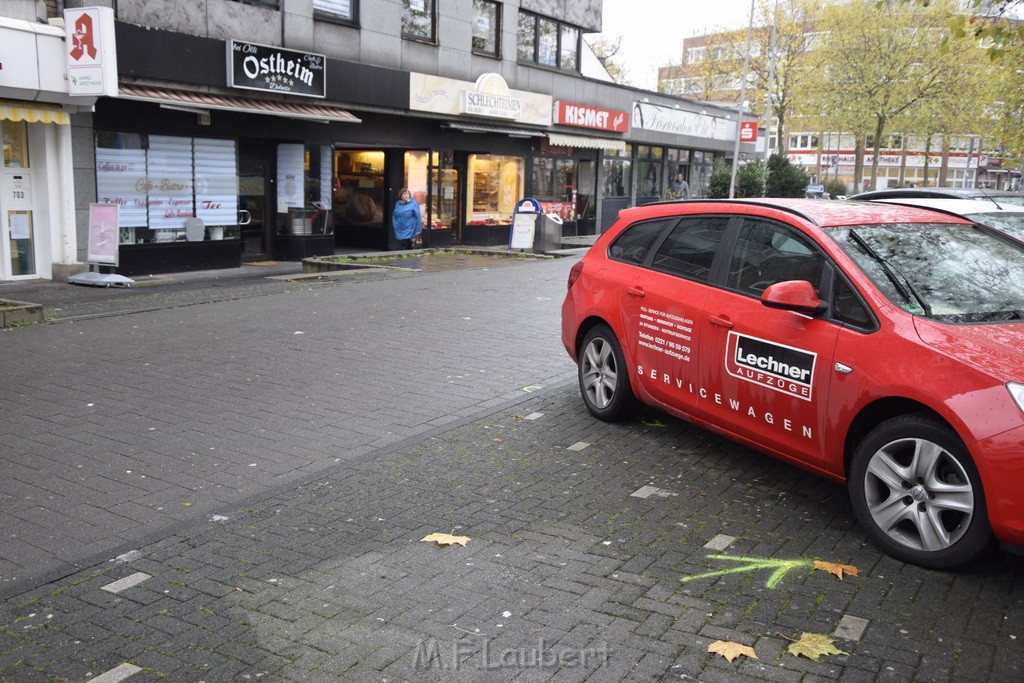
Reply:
x=746 y=200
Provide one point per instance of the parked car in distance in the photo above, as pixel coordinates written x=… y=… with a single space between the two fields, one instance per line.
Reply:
x=877 y=345
x=976 y=193
x=1008 y=218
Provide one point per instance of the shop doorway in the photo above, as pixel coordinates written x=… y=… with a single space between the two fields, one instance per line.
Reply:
x=360 y=199
x=586 y=197
x=255 y=184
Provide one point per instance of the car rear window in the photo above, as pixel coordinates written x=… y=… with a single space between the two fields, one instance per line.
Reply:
x=636 y=241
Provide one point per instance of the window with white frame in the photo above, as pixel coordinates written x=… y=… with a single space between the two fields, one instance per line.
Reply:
x=343 y=11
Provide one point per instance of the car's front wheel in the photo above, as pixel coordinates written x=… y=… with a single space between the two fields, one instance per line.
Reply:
x=916 y=491
x=604 y=381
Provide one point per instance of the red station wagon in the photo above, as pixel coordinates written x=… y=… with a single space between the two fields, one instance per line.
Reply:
x=877 y=345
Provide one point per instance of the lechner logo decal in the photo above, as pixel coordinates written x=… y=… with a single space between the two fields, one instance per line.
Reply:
x=775 y=366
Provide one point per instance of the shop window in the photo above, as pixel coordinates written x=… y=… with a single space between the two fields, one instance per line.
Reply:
x=548 y=42
x=342 y=11
x=554 y=186
x=359 y=190
x=487 y=28
x=649 y=167
x=159 y=181
x=700 y=174
x=304 y=184
x=419 y=19
x=495 y=187
x=617 y=172
x=15 y=140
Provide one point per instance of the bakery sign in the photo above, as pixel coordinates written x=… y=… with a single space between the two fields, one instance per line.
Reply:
x=584 y=116
x=489 y=96
x=264 y=67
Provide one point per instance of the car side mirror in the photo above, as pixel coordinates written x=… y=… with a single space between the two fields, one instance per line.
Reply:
x=794 y=295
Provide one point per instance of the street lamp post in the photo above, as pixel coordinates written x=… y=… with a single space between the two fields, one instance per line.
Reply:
x=740 y=105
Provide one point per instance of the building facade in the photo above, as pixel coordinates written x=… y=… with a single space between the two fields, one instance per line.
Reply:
x=280 y=129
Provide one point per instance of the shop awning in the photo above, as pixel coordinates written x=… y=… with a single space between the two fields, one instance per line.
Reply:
x=202 y=102
x=562 y=140
x=33 y=113
x=502 y=130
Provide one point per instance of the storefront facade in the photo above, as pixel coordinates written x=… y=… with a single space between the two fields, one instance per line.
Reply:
x=225 y=151
x=37 y=217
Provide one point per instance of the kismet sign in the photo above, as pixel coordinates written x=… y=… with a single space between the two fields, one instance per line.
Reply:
x=264 y=67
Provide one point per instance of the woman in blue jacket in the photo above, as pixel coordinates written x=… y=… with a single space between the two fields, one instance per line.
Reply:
x=405 y=219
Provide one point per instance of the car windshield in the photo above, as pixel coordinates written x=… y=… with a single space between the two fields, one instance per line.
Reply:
x=1010 y=222
x=950 y=272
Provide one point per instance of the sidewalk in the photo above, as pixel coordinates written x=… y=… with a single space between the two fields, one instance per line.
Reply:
x=238 y=490
x=582 y=539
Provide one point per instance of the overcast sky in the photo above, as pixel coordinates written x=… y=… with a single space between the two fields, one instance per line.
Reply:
x=653 y=30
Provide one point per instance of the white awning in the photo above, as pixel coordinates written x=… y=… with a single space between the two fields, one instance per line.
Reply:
x=37 y=113
x=200 y=102
x=503 y=130
x=562 y=140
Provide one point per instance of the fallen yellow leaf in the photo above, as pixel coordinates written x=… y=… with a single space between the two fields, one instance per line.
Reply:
x=731 y=650
x=814 y=645
x=836 y=568
x=446 y=539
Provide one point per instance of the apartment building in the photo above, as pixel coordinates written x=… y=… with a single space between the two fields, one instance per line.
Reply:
x=707 y=71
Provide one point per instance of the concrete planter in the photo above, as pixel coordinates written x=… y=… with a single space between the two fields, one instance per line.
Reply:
x=19 y=313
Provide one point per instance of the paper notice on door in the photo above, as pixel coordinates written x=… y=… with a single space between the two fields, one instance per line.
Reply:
x=21 y=224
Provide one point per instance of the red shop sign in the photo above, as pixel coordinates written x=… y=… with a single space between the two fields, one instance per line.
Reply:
x=748 y=131
x=584 y=116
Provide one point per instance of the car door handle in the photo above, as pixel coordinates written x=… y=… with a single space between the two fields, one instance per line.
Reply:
x=636 y=291
x=720 y=322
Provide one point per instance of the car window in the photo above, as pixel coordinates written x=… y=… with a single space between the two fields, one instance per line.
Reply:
x=635 y=242
x=767 y=253
x=847 y=308
x=950 y=272
x=689 y=249
x=1010 y=222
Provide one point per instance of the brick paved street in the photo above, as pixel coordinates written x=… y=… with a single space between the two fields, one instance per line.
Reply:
x=267 y=491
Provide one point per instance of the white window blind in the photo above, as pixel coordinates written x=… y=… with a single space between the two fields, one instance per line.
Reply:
x=121 y=179
x=216 y=181
x=335 y=8
x=170 y=182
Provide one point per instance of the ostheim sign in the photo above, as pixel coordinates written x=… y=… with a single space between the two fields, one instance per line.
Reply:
x=268 y=68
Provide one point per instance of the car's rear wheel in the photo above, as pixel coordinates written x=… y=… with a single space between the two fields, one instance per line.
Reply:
x=916 y=491
x=604 y=380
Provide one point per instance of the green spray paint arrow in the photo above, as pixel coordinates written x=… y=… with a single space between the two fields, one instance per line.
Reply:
x=753 y=564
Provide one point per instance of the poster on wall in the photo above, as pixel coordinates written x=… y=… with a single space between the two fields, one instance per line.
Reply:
x=103 y=234
x=290 y=177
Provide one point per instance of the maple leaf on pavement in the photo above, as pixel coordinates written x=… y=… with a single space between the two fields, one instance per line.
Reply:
x=814 y=645
x=731 y=650
x=446 y=539
x=836 y=568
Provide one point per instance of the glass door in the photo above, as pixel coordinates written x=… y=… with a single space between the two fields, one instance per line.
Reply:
x=254 y=164
x=16 y=229
x=444 y=204
x=586 y=197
